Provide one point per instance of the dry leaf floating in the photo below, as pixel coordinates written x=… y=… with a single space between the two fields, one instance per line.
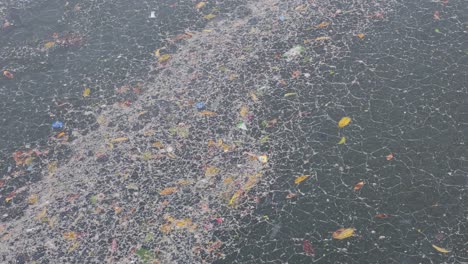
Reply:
x=358 y=185
x=86 y=92
x=389 y=156
x=301 y=179
x=344 y=122
x=441 y=250
x=342 y=141
x=343 y=233
x=200 y=5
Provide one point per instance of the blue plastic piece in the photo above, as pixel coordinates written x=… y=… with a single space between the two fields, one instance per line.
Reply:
x=200 y=105
x=57 y=124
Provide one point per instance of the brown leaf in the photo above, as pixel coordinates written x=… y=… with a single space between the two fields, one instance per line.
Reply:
x=70 y=235
x=169 y=190
x=8 y=74
x=182 y=36
x=296 y=74
x=207 y=113
x=358 y=185
x=382 y=216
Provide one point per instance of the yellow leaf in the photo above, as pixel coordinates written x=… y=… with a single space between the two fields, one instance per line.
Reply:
x=301 y=179
x=29 y=161
x=164 y=58
x=344 y=122
x=322 y=38
x=74 y=246
x=184 y=222
x=41 y=214
x=211 y=143
x=200 y=5
x=86 y=92
x=360 y=35
x=207 y=30
x=169 y=190
x=211 y=171
x=323 y=25
x=263 y=159
x=70 y=235
x=166 y=228
x=442 y=250
x=120 y=139
x=234 y=197
x=32 y=199
x=253 y=96
x=289 y=94
x=343 y=233
x=157 y=144
x=228 y=180
x=209 y=16
x=253 y=179
x=244 y=111
x=342 y=141
x=207 y=113
x=226 y=147
x=49 y=44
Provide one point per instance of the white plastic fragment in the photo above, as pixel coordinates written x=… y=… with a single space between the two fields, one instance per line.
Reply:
x=152 y=15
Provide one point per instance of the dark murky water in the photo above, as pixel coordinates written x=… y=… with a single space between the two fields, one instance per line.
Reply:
x=403 y=83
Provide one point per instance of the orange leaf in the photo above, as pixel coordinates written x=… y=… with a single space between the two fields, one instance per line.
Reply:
x=169 y=190
x=61 y=134
x=207 y=113
x=361 y=35
x=343 y=233
x=358 y=185
x=389 y=156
